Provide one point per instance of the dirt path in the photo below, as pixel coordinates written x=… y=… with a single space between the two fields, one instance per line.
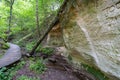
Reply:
x=58 y=68
x=12 y=55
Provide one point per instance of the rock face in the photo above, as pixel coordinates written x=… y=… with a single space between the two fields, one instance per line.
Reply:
x=54 y=37
x=91 y=32
x=12 y=55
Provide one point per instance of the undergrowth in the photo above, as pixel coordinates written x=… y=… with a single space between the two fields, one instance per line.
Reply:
x=37 y=66
x=48 y=51
x=45 y=50
x=8 y=73
x=4 y=45
x=30 y=45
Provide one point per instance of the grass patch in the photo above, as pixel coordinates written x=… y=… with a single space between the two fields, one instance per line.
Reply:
x=37 y=66
x=47 y=50
x=29 y=46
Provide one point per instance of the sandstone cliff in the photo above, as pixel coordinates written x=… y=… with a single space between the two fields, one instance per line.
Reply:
x=91 y=33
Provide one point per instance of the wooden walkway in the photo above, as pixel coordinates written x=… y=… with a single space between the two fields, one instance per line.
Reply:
x=12 y=55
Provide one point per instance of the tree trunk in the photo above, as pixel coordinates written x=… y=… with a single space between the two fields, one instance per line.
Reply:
x=56 y=20
x=10 y=18
x=37 y=19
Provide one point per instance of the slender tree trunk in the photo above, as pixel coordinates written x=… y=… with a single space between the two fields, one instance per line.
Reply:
x=10 y=18
x=37 y=19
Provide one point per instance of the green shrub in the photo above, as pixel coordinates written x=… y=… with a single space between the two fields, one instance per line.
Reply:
x=15 y=29
x=8 y=73
x=23 y=77
x=5 y=45
x=29 y=46
x=3 y=36
x=47 y=51
x=3 y=74
x=37 y=66
x=2 y=32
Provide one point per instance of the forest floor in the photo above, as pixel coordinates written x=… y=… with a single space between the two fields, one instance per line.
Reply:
x=58 y=68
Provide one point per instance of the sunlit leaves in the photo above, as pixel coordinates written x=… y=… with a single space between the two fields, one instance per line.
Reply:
x=24 y=12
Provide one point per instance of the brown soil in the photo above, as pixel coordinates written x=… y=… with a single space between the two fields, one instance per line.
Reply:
x=58 y=68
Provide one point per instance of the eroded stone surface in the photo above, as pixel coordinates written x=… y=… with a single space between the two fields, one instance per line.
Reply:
x=94 y=37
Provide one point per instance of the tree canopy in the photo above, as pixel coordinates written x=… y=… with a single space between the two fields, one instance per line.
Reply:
x=24 y=13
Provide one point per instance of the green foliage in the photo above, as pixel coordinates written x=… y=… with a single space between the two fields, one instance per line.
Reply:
x=23 y=77
x=2 y=33
x=23 y=18
x=97 y=73
x=47 y=50
x=3 y=74
x=24 y=12
x=8 y=73
x=15 y=30
x=29 y=46
x=5 y=45
x=3 y=16
x=37 y=66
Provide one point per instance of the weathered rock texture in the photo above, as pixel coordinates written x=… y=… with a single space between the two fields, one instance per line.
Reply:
x=12 y=55
x=91 y=32
x=55 y=36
